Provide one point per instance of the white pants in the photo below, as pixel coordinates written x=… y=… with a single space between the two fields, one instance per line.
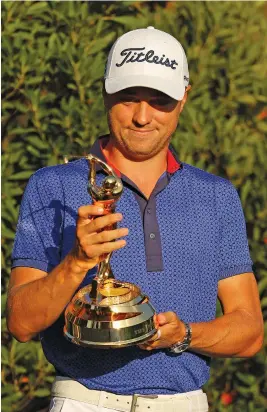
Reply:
x=70 y=405
x=70 y=396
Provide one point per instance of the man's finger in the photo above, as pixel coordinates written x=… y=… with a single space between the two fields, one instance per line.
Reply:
x=144 y=346
x=98 y=224
x=86 y=211
x=108 y=235
x=154 y=337
x=93 y=251
x=150 y=344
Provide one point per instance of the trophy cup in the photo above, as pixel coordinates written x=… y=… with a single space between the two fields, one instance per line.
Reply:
x=109 y=313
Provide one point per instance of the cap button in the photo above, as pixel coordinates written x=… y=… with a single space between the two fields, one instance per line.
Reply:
x=150 y=27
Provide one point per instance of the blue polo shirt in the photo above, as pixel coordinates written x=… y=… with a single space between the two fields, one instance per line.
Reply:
x=186 y=237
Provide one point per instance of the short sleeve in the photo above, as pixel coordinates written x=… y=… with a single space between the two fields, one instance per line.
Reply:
x=39 y=228
x=234 y=257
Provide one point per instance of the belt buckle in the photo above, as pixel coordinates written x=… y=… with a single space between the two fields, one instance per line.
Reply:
x=136 y=396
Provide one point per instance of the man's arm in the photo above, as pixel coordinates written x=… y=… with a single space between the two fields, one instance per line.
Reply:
x=239 y=332
x=36 y=299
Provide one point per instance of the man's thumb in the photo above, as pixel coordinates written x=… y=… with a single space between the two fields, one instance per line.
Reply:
x=166 y=317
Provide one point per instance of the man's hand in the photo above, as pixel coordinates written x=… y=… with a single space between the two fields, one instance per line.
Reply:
x=238 y=332
x=170 y=331
x=30 y=311
x=94 y=238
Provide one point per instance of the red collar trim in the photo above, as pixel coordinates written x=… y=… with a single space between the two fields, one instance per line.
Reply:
x=172 y=164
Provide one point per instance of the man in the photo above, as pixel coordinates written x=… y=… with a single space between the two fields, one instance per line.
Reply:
x=185 y=244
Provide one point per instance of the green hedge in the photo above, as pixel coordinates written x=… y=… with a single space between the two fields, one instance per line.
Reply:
x=53 y=57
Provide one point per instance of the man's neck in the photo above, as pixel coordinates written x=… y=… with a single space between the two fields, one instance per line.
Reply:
x=144 y=174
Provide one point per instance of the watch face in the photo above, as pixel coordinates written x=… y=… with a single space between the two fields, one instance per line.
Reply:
x=179 y=348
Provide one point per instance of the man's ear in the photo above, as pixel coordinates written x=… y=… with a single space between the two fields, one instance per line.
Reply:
x=185 y=97
x=104 y=93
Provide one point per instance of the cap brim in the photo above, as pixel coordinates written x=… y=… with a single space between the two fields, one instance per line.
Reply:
x=174 y=90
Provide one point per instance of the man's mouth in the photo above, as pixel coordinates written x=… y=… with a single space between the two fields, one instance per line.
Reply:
x=142 y=131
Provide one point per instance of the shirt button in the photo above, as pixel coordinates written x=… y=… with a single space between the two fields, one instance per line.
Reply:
x=152 y=235
x=149 y=210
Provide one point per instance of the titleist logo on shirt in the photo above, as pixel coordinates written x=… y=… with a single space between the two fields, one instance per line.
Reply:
x=138 y=55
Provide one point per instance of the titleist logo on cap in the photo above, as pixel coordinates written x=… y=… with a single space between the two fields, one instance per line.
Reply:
x=138 y=55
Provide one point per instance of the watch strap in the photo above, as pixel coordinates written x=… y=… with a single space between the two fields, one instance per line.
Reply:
x=180 y=347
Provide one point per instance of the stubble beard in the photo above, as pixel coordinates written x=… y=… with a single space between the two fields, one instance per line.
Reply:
x=138 y=152
x=141 y=151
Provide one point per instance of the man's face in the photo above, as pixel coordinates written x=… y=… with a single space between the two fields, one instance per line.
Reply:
x=142 y=121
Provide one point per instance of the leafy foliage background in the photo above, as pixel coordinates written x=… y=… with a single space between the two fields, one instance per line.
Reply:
x=53 y=57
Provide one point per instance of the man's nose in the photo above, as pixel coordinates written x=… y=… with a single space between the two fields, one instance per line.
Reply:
x=143 y=113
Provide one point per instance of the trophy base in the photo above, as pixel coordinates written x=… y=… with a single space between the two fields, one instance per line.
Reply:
x=110 y=345
x=109 y=321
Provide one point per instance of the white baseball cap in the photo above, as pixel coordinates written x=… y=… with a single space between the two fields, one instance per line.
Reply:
x=147 y=58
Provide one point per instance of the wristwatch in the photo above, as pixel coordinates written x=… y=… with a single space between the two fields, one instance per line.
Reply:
x=180 y=347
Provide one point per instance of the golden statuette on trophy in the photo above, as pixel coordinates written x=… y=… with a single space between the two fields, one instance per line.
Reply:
x=109 y=313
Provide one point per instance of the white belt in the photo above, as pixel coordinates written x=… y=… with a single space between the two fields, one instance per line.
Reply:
x=185 y=402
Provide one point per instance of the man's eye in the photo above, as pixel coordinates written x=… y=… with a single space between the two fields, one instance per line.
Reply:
x=161 y=102
x=128 y=99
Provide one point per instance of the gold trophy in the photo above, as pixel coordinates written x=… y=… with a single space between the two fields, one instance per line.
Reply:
x=108 y=313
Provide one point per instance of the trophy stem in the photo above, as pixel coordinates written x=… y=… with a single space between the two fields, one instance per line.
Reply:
x=104 y=269
x=104 y=272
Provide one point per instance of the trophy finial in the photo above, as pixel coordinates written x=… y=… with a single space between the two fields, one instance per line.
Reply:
x=111 y=187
